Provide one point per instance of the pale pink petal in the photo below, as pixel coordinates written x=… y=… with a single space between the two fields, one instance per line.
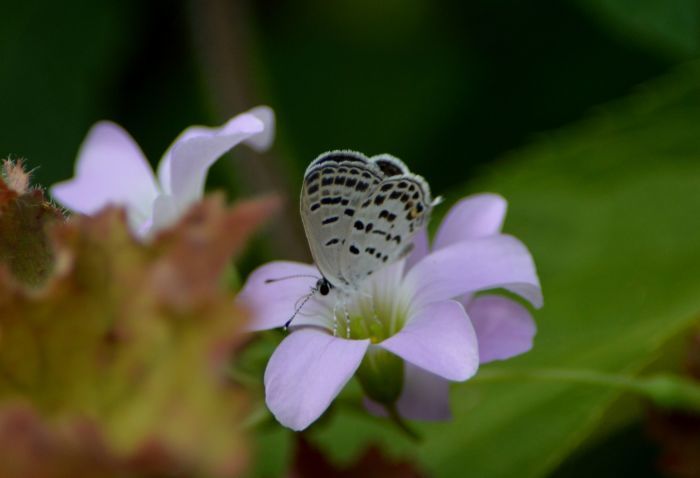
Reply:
x=425 y=396
x=263 y=141
x=421 y=247
x=271 y=305
x=110 y=169
x=440 y=339
x=475 y=216
x=165 y=212
x=472 y=265
x=306 y=372
x=503 y=327
x=183 y=168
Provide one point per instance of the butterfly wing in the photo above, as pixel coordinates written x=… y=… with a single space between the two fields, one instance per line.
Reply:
x=388 y=218
x=335 y=184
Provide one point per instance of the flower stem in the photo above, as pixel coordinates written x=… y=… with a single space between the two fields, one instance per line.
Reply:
x=401 y=424
x=665 y=390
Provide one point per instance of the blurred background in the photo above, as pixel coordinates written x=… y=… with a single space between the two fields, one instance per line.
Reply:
x=584 y=114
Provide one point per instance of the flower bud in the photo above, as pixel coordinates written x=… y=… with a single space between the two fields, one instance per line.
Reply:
x=381 y=375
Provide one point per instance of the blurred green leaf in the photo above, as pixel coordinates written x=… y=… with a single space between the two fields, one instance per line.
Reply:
x=668 y=26
x=609 y=210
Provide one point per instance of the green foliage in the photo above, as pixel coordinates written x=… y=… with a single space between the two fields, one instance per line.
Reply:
x=609 y=210
x=669 y=26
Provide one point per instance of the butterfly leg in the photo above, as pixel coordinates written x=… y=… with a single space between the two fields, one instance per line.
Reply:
x=347 y=320
x=335 y=319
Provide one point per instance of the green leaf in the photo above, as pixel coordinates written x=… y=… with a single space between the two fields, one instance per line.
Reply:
x=668 y=26
x=609 y=209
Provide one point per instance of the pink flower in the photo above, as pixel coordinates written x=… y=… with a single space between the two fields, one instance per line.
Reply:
x=415 y=326
x=111 y=169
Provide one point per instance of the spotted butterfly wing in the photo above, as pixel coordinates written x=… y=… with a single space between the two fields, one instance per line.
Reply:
x=390 y=216
x=355 y=218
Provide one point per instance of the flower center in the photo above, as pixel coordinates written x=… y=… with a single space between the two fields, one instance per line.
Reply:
x=362 y=317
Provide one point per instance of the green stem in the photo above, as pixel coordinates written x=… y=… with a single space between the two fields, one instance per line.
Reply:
x=665 y=390
x=401 y=424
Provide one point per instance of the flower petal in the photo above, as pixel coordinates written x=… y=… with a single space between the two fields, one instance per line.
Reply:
x=425 y=396
x=165 y=212
x=272 y=304
x=306 y=372
x=183 y=168
x=475 y=216
x=503 y=327
x=262 y=141
x=421 y=247
x=440 y=339
x=110 y=169
x=473 y=265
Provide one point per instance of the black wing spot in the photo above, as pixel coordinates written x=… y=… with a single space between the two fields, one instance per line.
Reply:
x=379 y=199
x=368 y=227
x=391 y=217
x=313 y=177
x=405 y=197
x=335 y=200
x=335 y=240
x=402 y=185
x=350 y=212
x=315 y=206
x=354 y=250
x=341 y=158
x=362 y=186
x=359 y=225
x=329 y=220
x=340 y=180
x=397 y=239
x=389 y=168
x=387 y=187
x=378 y=255
x=383 y=213
x=351 y=182
x=366 y=175
x=312 y=189
x=379 y=232
x=419 y=207
x=327 y=181
x=416 y=195
x=370 y=250
x=345 y=202
x=384 y=259
x=366 y=203
x=395 y=195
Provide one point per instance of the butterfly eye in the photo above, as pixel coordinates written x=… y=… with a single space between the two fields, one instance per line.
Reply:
x=323 y=287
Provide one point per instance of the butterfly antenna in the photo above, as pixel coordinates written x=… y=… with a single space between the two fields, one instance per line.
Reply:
x=277 y=279
x=298 y=309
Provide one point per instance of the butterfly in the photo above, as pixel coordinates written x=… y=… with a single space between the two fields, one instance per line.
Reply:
x=360 y=214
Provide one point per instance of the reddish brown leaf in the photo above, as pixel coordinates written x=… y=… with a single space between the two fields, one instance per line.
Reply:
x=309 y=462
